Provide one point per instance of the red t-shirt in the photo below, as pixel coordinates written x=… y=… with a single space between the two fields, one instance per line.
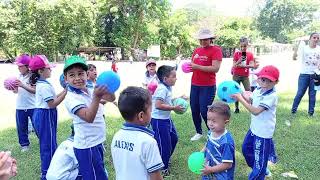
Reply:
x=204 y=56
x=114 y=68
x=241 y=71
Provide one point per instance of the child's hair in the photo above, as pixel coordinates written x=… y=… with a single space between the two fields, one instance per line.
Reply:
x=72 y=130
x=34 y=77
x=221 y=108
x=132 y=101
x=164 y=71
x=91 y=66
x=244 y=40
x=312 y=34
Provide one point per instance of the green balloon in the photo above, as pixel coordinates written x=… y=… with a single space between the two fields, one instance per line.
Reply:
x=196 y=162
x=181 y=102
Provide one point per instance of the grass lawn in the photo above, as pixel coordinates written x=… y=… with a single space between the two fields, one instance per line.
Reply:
x=298 y=147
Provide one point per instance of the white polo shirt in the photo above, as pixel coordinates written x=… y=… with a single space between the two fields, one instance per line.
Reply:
x=25 y=99
x=147 y=80
x=263 y=125
x=135 y=153
x=86 y=134
x=163 y=93
x=44 y=93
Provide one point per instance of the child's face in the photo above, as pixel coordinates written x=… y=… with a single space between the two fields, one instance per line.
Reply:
x=266 y=83
x=216 y=122
x=45 y=73
x=243 y=46
x=76 y=77
x=171 y=79
x=23 y=69
x=92 y=73
x=151 y=68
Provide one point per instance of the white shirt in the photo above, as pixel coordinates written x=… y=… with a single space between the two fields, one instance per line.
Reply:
x=64 y=164
x=44 y=93
x=263 y=125
x=164 y=94
x=135 y=153
x=86 y=134
x=309 y=57
x=147 y=80
x=25 y=99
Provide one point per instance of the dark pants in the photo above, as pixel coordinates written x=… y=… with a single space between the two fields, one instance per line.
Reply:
x=166 y=136
x=91 y=165
x=305 y=82
x=45 y=124
x=200 y=98
x=22 y=119
x=244 y=80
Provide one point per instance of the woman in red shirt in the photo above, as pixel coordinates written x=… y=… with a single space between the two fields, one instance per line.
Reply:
x=205 y=64
x=242 y=61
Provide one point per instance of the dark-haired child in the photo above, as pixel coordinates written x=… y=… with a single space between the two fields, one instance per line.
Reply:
x=165 y=131
x=134 y=151
x=92 y=75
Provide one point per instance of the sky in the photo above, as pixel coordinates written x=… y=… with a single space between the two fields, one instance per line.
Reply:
x=225 y=7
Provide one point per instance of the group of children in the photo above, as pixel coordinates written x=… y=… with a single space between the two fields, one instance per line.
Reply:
x=135 y=144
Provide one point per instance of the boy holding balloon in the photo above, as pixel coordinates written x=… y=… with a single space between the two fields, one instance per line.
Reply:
x=84 y=106
x=258 y=147
x=220 y=149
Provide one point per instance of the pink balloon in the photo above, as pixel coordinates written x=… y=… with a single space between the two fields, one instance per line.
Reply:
x=186 y=67
x=152 y=87
x=10 y=83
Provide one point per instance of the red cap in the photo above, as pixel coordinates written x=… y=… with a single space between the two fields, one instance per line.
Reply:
x=270 y=72
x=38 y=62
x=151 y=61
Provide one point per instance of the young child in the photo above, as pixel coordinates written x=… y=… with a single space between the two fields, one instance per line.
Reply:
x=151 y=73
x=83 y=104
x=165 y=131
x=220 y=149
x=114 y=67
x=25 y=101
x=64 y=164
x=257 y=147
x=92 y=75
x=45 y=113
x=135 y=152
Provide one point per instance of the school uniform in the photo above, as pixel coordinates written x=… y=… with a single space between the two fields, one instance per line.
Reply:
x=64 y=164
x=220 y=150
x=135 y=153
x=258 y=147
x=162 y=125
x=88 y=139
x=25 y=105
x=45 y=122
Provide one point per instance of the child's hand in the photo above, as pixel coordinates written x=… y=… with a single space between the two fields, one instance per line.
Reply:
x=237 y=96
x=178 y=108
x=206 y=170
x=99 y=91
x=14 y=168
x=247 y=95
x=6 y=165
x=18 y=83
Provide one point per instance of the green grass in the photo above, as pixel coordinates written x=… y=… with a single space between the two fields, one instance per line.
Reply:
x=298 y=147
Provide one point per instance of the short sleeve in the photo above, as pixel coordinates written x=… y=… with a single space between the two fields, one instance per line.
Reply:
x=46 y=92
x=160 y=94
x=228 y=153
x=145 y=80
x=151 y=156
x=268 y=101
x=73 y=104
x=217 y=54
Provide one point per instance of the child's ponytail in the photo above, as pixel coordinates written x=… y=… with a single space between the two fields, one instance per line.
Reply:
x=34 y=78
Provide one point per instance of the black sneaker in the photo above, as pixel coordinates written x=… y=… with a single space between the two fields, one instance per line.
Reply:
x=310 y=114
x=237 y=111
x=165 y=173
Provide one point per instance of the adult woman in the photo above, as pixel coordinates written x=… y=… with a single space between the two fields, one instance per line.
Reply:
x=205 y=64
x=310 y=59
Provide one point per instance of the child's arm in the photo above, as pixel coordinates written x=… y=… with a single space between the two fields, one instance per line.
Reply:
x=89 y=113
x=166 y=107
x=30 y=89
x=156 y=175
x=60 y=97
x=253 y=110
x=218 y=168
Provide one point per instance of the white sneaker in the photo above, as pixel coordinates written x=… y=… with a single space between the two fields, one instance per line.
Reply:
x=288 y=123
x=196 y=137
x=24 y=148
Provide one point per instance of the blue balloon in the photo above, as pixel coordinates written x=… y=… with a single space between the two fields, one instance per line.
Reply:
x=109 y=79
x=63 y=83
x=226 y=89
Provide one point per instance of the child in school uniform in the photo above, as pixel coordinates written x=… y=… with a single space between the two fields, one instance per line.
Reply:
x=220 y=149
x=45 y=114
x=25 y=101
x=92 y=75
x=162 y=125
x=135 y=152
x=83 y=104
x=258 y=147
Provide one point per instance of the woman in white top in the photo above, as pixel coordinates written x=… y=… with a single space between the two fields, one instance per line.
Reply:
x=309 y=55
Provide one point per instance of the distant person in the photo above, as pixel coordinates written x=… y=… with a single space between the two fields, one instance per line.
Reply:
x=92 y=75
x=134 y=150
x=151 y=74
x=206 y=61
x=243 y=60
x=309 y=55
x=114 y=67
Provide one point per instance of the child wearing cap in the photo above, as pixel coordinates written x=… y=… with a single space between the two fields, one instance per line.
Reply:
x=25 y=101
x=258 y=147
x=45 y=114
x=83 y=104
x=135 y=152
x=150 y=74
